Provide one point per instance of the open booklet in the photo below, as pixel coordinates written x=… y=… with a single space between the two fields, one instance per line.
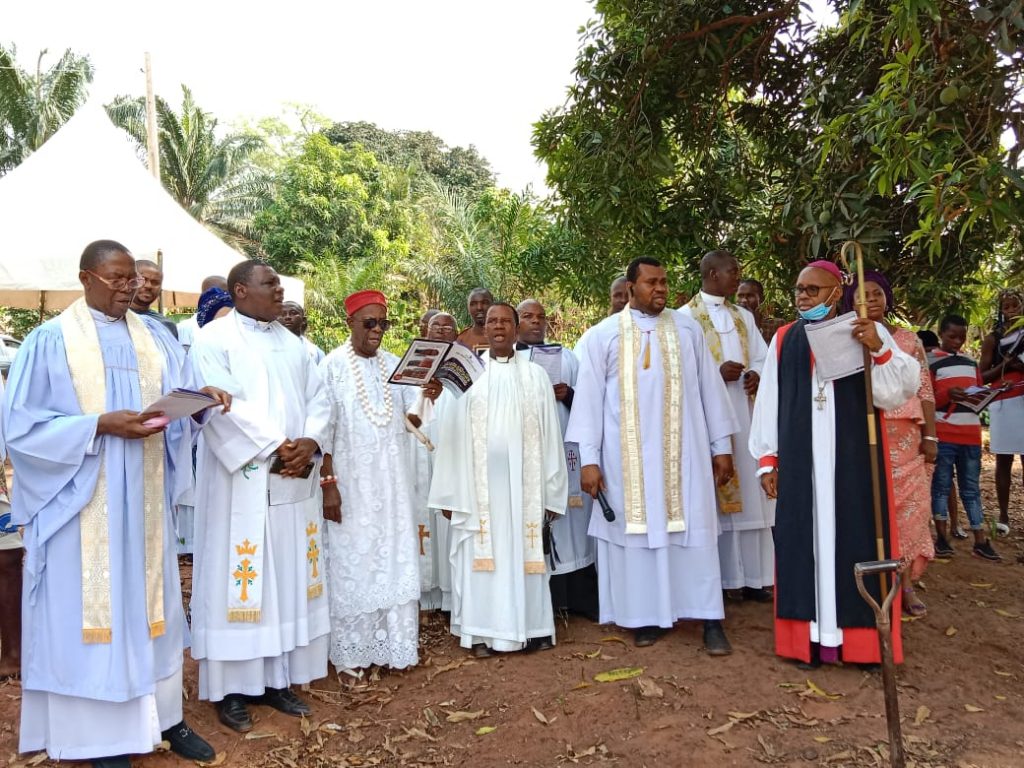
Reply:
x=180 y=403
x=980 y=398
x=836 y=353
x=453 y=364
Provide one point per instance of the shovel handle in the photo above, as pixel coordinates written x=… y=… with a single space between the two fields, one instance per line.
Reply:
x=860 y=570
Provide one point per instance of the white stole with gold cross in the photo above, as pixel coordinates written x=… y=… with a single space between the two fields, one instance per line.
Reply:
x=631 y=445
x=532 y=485
x=88 y=375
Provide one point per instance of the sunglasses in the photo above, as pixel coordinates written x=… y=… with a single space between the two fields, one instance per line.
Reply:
x=372 y=322
x=812 y=291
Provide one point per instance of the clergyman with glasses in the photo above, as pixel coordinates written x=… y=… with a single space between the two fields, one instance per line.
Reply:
x=368 y=498
x=809 y=436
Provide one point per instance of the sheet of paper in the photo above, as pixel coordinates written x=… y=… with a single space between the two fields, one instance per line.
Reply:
x=549 y=357
x=181 y=403
x=836 y=353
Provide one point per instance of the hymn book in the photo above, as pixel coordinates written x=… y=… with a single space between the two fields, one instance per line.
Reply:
x=453 y=364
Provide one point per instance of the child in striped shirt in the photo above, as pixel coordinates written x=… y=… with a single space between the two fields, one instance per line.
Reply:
x=958 y=429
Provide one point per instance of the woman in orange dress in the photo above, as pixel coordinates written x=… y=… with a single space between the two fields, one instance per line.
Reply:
x=910 y=430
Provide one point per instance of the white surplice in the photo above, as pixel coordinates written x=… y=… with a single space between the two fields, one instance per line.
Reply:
x=893 y=383
x=504 y=607
x=278 y=396
x=745 y=548
x=432 y=528
x=654 y=578
x=373 y=567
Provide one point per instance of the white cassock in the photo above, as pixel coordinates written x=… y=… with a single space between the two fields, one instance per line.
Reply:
x=315 y=353
x=508 y=603
x=372 y=553
x=745 y=547
x=892 y=385
x=657 y=577
x=432 y=528
x=277 y=396
x=184 y=511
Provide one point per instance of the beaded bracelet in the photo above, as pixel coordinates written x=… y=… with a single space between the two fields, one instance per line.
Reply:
x=328 y=480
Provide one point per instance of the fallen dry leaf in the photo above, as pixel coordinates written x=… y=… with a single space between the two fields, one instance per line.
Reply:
x=972 y=708
x=540 y=716
x=580 y=686
x=950 y=631
x=458 y=717
x=982 y=585
x=822 y=739
x=615 y=675
x=614 y=639
x=999 y=697
x=220 y=758
x=449 y=668
x=649 y=689
x=722 y=728
x=1007 y=614
x=1001 y=673
x=483 y=730
x=922 y=714
x=254 y=736
x=431 y=718
x=815 y=690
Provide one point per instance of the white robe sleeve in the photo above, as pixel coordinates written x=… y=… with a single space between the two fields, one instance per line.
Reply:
x=718 y=414
x=758 y=349
x=586 y=421
x=317 y=426
x=556 y=477
x=764 y=424
x=895 y=375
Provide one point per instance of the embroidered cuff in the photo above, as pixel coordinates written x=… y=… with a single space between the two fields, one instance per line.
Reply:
x=766 y=464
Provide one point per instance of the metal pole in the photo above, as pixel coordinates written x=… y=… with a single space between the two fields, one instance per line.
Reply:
x=153 y=153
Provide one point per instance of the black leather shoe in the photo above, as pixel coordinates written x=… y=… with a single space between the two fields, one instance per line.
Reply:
x=285 y=700
x=761 y=595
x=234 y=714
x=116 y=761
x=814 y=663
x=187 y=743
x=645 y=636
x=715 y=641
x=481 y=651
x=539 y=644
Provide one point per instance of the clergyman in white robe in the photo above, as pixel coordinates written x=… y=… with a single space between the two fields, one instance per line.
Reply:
x=500 y=466
x=433 y=530
x=745 y=547
x=259 y=609
x=652 y=577
x=372 y=553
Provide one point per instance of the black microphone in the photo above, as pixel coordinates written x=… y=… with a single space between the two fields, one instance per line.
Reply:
x=606 y=510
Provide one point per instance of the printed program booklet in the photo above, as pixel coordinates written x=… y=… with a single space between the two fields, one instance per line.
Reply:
x=453 y=364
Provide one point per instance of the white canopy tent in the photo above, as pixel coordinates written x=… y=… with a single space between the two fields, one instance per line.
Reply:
x=87 y=183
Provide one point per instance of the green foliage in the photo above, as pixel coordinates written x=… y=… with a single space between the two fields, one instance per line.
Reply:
x=212 y=178
x=697 y=125
x=34 y=105
x=462 y=168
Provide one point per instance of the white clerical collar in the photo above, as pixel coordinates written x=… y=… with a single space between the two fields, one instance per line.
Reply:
x=641 y=313
x=252 y=324
x=510 y=359
x=102 y=318
x=707 y=298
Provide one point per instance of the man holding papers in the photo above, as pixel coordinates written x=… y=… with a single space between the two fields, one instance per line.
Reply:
x=809 y=436
x=573 y=576
x=259 y=609
x=104 y=626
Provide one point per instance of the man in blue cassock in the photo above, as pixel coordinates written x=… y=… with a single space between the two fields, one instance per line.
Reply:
x=104 y=627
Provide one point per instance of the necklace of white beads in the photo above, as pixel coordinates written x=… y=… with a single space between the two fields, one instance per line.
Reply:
x=377 y=418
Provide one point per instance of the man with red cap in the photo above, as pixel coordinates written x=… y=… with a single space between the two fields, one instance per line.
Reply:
x=368 y=484
x=810 y=439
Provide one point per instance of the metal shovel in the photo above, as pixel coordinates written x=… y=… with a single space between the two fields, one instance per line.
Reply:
x=897 y=759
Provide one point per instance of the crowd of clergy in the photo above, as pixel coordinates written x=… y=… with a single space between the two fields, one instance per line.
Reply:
x=325 y=507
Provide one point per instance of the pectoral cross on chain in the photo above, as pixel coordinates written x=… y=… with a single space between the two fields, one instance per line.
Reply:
x=821 y=399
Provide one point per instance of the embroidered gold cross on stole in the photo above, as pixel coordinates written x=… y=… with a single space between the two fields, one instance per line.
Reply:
x=531 y=532
x=245 y=574
x=313 y=551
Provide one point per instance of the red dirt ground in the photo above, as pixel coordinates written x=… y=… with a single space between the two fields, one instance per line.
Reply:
x=961 y=695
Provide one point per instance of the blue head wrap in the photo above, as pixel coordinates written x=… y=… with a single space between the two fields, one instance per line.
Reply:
x=211 y=302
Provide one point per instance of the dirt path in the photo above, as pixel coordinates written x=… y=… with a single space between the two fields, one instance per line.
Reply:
x=961 y=695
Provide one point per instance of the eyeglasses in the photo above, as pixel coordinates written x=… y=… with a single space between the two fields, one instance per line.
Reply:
x=372 y=322
x=121 y=284
x=812 y=291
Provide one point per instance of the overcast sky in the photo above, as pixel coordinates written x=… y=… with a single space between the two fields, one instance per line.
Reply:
x=472 y=71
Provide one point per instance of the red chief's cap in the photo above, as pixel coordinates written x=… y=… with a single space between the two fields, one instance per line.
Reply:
x=361 y=299
x=829 y=267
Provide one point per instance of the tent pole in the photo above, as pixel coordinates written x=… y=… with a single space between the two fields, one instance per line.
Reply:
x=153 y=150
x=42 y=306
x=160 y=266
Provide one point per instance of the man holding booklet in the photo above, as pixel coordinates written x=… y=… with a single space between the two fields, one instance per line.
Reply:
x=98 y=472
